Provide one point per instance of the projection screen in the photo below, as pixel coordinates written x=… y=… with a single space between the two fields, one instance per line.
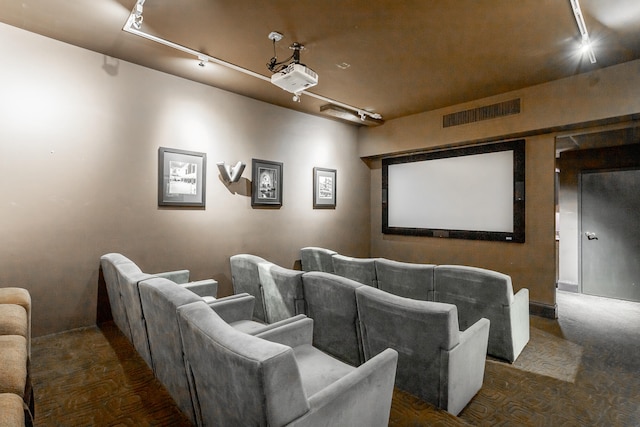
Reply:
x=474 y=192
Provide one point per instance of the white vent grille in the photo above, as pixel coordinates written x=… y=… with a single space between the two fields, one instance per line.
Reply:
x=487 y=112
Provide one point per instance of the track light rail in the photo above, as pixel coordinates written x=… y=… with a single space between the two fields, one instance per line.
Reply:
x=133 y=26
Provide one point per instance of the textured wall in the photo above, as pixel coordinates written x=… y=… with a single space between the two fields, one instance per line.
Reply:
x=79 y=138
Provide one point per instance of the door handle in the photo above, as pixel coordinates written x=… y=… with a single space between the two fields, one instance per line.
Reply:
x=590 y=235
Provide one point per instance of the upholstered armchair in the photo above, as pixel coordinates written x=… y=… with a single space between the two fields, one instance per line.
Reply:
x=436 y=362
x=405 y=279
x=278 y=378
x=317 y=259
x=245 y=279
x=485 y=293
x=361 y=270
x=331 y=303
x=161 y=299
x=121 y=278
x=16 y=392
x=282 y=292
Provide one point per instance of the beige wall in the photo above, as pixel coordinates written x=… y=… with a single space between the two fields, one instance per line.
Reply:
x=599 y=95
x=78 y=154
x=595 y=97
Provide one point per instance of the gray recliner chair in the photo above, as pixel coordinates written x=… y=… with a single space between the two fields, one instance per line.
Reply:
x=278 y=378
x=245 y=279
x=122 y=277
x=161 y=299
x=282 y=292
x=361 y=270
x=485 y=293
x=313 y=258
x=331 y=303
x=405 y=279
x=436 y=362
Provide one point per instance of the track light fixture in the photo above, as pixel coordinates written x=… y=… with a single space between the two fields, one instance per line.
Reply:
x=358 y=117
x=138 y=18
x=586 y=42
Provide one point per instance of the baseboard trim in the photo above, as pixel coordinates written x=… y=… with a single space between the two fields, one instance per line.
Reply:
x=568 y=286
x=543 y=310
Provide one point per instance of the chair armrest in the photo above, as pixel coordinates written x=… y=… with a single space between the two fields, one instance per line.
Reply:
x=203 y=288
x=177 y=276
x=234 y=308
x=293 y=332
x=362 y=397
x=465 y=372
x=519 y=313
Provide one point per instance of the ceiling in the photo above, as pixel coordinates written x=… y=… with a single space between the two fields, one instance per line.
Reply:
x=391 y=57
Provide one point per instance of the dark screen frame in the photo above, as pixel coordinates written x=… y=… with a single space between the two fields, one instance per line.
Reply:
x=518 y=234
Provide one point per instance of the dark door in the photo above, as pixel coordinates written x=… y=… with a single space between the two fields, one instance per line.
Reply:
x=610 y=233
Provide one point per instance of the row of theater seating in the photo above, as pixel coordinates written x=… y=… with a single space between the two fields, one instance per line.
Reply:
x=354 y=322
x=476 y=292
x=330 y=324
x=222 y=367
x=16 y=394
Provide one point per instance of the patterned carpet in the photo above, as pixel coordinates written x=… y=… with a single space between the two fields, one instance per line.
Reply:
x=580 y=370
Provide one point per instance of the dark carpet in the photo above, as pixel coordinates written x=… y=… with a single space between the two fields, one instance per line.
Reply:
x=582 y=369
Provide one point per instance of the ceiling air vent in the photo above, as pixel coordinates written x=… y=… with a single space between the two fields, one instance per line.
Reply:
x=487 y=112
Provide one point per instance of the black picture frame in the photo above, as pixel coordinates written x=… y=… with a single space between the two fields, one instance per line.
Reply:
x=181 y=177
x=324 y=188
x=266 y=183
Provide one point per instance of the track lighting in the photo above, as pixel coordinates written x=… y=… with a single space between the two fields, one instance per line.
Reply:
x=299 y=73
x=582 y=27
x=138 y=18
x=358 y=117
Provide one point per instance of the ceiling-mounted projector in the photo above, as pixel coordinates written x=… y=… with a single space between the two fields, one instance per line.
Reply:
x=295 y=78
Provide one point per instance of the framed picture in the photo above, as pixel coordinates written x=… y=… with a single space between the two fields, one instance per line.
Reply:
x=181 y=177
x=266 y=187
x=324 y=188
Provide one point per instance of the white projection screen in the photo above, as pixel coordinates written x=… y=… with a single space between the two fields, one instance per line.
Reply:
x=472 y=192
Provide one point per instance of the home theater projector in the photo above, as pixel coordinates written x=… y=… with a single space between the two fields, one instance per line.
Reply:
x=295 y=78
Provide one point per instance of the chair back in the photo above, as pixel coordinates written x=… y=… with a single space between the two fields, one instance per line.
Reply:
x=331 y=303
x=282 y=292
x=317 y=259
x=129 y=275
x=476 y=292
x=418 y=330
x=238 y=379
x=118 y=311
x=485 y=293
x=161 y=299
x=246 y=279
x=362 y=270
x=405 y=279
